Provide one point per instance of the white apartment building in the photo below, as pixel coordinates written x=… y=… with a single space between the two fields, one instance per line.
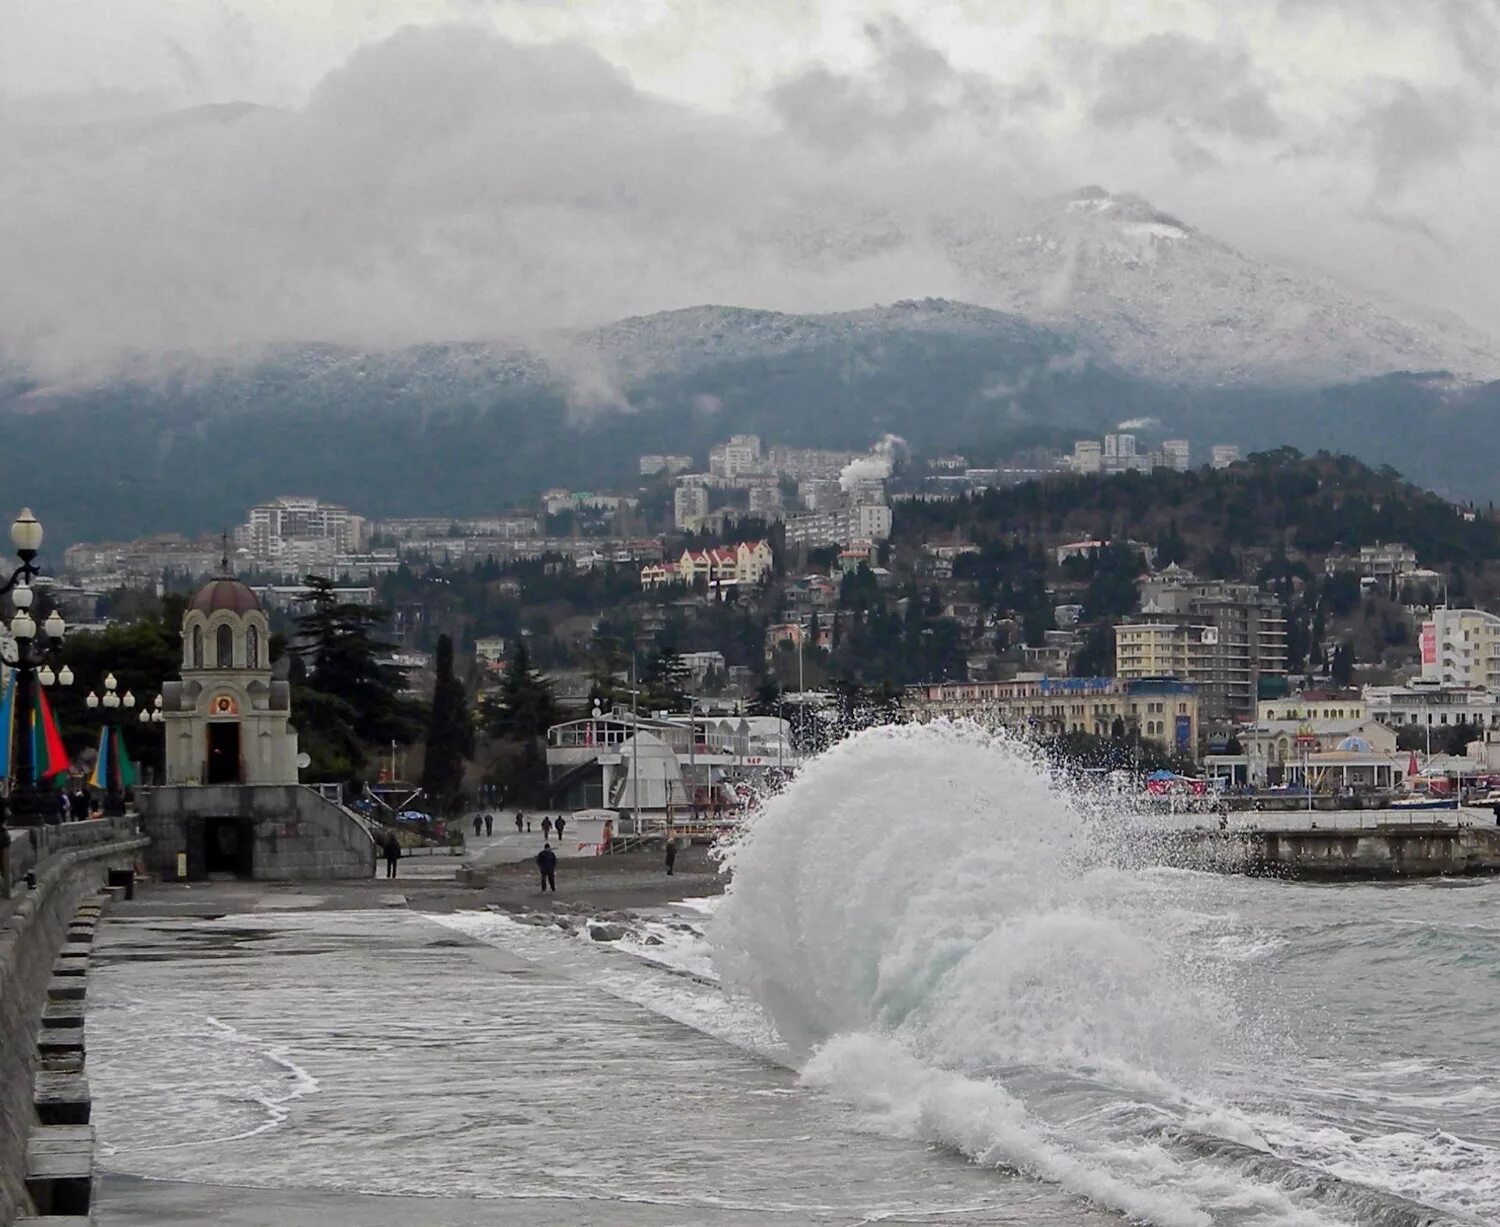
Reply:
x=1433 y=706
x=290 y=518
x=1119 y=447
x=866 y=522
x=736 y=458
x=1222 y=455
x=671 y=465
x=689 y=503
x=1177 y=455
x=1461 y=647
x=765 y=499
x=1087 y=457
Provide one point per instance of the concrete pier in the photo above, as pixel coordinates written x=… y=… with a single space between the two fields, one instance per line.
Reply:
x=1378 y=853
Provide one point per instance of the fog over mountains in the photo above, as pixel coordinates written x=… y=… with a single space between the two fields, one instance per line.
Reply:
x=1118 y=312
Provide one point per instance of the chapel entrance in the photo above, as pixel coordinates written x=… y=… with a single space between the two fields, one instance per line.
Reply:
x=224 y=753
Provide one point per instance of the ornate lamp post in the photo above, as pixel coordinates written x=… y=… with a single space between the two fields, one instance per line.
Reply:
x=153 y=715
x=114 y=799
x=32 y=657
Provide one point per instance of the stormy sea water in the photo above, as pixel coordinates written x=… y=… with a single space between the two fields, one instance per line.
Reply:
x=941 y=987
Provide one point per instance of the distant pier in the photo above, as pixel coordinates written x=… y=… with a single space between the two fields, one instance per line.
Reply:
x=1372 y=852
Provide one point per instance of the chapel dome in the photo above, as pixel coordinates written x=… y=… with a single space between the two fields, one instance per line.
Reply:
x=224 y=594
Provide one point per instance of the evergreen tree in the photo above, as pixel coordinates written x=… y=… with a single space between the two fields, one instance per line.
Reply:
x=767 y=700
x=450 y=737
x=665 y=681
x=525 y=707
x=343 y=659
x=1342 y=667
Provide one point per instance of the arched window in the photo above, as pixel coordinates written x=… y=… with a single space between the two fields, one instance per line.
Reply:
x=197 y=647
x=252 y=648
x=224 y=648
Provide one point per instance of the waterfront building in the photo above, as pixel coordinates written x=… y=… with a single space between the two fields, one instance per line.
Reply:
x=671 y=766
x=1461 y=647
x=1363 y=751
x=1434 y=705
x=1161 y=709
x=1222 y=637
x=1314 y=705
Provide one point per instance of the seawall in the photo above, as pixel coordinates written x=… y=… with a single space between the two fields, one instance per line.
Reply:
x=1377 y=854
x=70 y=863
x=268 y=832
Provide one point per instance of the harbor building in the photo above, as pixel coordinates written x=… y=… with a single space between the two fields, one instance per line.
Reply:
x=1160 y=709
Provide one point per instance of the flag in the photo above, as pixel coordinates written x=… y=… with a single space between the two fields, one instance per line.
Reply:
x=100 y=778
x=7 y=708
x=48 y=757
x=1411 y=767
x=48 y=754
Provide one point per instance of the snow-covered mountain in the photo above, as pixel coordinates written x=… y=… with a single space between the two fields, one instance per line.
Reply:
x=1159 y=298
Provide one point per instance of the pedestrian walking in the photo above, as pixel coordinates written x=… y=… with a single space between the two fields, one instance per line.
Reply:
x=519 y=822
x=392 y=853
x=489 y=824
x=546 y=861
x=478 y=824
x=546 y=827
x=671 y=856
x=528 y=824
x=558 y=827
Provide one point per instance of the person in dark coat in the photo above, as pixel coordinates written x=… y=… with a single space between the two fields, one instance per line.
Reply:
x=558 y=827
x=519 y=822
x=80 y=805
x=392 y=853
x=489 y=824
x=546 y=828
x=478 y=824
x=671 y=856
x=546 y=861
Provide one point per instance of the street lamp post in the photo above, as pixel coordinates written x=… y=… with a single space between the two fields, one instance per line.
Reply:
x=32 y=663
x=153 y=715
x=111 y=702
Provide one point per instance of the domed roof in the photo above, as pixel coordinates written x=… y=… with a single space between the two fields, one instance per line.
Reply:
x=224 y=593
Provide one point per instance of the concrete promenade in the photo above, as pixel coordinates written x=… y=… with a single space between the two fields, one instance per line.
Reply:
x=287 y=1056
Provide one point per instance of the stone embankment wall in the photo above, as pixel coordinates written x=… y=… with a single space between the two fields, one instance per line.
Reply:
x=1381 y=854
x=71 y=863
x=293 y=832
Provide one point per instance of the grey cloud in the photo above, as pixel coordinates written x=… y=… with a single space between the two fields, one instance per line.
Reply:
x=911 y=89
x=1408 y=132
x=1185 y=81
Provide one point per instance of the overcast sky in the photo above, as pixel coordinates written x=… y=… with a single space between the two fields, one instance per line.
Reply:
x=209 y=173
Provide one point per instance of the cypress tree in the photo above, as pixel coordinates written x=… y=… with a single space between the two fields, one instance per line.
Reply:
x=450 y=739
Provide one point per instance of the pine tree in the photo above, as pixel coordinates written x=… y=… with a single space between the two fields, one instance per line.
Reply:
x=526 y=707
x=343 y=659
x=666 y=681
x=767 y=700
x=450 y=738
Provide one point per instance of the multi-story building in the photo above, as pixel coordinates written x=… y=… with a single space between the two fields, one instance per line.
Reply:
x=1432 y=705
x=866 y=522
x=1222 y=455
x=1461 y=647
x=1088 y=456
x=1220 y=636
x=272 y=525
x=1319 y=705
x=670 y=465
x=689 y=503
x=765 y=499
x=736 y=458
x=1161 y=709
x=802 y=462
x=1177 y=455
x=727 y=566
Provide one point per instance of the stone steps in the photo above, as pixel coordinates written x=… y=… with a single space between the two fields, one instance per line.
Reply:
x=62 y=1014
x=62 y=1098
x=67 y=988
x=59 y=1041
x=60 y=1169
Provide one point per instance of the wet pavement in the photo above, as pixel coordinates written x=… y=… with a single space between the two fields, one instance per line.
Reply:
x=278 y=1062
